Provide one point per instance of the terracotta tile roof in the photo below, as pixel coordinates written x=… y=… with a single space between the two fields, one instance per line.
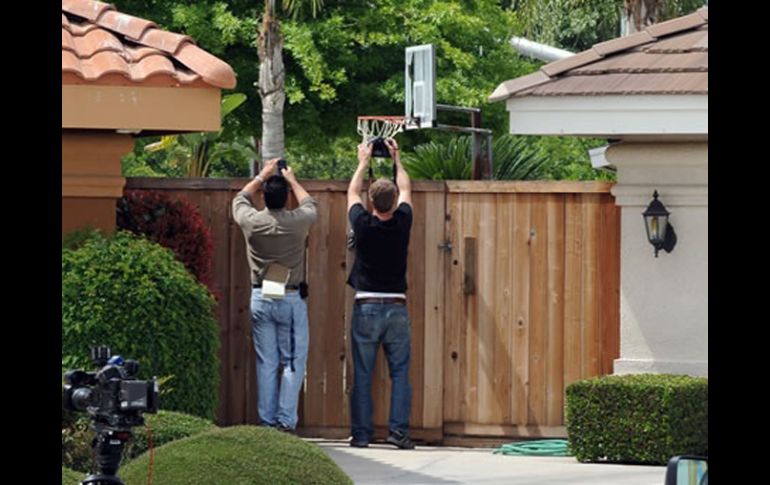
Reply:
x=100 y=45
x=666 y=58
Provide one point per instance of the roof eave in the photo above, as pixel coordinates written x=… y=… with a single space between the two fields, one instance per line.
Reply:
x=617 y=116
x=132 y=109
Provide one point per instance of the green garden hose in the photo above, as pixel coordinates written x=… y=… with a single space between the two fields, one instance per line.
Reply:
x=535 y=448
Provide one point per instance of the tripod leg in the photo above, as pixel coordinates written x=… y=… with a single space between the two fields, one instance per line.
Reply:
x=108 y=448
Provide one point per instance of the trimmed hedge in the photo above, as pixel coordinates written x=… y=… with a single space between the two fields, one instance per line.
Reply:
x=132 y=295
x=645 y=418
x=166 y=426
x=174 y=223
x=246 y=455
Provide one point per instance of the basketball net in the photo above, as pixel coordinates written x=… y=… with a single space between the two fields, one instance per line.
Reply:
x=370 y=127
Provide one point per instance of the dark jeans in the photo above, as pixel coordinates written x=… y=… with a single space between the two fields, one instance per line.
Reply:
x=374 y=323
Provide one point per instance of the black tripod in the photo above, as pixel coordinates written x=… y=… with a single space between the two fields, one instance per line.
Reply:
x=108 y=448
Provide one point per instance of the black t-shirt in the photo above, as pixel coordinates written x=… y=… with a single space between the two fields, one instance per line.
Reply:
x=381 y=250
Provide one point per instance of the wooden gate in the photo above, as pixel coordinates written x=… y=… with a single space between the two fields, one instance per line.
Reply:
x=532 y=302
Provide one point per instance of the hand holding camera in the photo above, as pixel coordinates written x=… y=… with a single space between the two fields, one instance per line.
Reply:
x=285 y=171
x=392 y=147
x=364 y=153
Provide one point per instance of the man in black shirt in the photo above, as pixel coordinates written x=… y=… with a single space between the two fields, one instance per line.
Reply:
x=380 y=313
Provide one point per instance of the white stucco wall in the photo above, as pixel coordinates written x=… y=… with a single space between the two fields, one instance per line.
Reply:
x=663 y=300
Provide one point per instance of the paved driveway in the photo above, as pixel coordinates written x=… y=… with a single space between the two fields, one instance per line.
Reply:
x=383 y=464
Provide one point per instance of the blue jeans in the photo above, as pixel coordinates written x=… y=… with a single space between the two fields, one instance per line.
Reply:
x=374 y=323
x=279 y=329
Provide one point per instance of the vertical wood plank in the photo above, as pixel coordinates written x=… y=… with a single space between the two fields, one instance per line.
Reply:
x=470 y=327
x=538 y=315
x=241 y=352
x=609 y=273
x=329 y=324
x=505 y=322
x=433 y=309
x=486 y=310
x=454 y=352
x=416 y=305
x=555 y=312
x=573 y=278
x=590 y=315
x=521 y=288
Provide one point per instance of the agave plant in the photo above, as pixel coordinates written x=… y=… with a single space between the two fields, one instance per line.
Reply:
x=440 y=161
x=512 y=159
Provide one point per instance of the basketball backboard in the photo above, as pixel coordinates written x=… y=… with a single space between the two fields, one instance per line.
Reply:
x=420 y=87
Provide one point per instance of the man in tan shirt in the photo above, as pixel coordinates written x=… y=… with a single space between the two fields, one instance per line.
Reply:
x=277 y=237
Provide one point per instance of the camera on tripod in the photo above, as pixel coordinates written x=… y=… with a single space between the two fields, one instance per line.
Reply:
x=115 y=401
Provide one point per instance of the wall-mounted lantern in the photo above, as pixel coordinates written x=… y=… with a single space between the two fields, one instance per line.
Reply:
x=660 y=232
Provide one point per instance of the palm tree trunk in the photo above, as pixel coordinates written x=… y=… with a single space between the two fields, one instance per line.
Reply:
x=271 y=85
x=637 y=15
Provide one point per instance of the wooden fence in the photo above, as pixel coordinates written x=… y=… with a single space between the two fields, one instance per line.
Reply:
x=513 y=294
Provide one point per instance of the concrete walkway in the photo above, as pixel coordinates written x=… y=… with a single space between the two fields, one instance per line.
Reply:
x=383 y=464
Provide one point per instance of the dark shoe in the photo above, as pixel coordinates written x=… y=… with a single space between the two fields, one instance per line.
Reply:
x=397 y=438
x=359 y=443
x=284 y=429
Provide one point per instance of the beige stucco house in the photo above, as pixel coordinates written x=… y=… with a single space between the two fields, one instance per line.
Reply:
x=123 y=76
x=646 y=93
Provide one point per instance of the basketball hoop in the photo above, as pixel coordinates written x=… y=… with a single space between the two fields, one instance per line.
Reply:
x=375 y=129
x=370 y=127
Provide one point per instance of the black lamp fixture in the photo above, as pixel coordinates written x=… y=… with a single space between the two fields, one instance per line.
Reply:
x=660 y=232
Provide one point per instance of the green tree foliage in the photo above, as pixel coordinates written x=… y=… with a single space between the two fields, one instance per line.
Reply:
x=348 y=60
x=576 y=25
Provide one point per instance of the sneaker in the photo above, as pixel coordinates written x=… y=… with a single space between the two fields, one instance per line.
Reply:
x=284 y=429
x=401 y=440
x=359 y=443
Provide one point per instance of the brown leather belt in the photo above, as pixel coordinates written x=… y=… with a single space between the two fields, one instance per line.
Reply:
x=382 y=301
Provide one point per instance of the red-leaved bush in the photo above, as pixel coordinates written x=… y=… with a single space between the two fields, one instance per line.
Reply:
x=174 y=223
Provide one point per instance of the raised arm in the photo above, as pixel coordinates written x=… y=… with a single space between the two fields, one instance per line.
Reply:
x=252 y=187
x=243 y=202
x=357 y=182
x=299 y=192
x=402 y=178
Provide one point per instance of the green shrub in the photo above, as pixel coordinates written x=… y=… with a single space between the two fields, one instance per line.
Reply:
x=164 y=427
x=77 y=237
x=646 y=418
x=76 y=436
x=70 y=477
x=135 y=297
x=245 y=455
